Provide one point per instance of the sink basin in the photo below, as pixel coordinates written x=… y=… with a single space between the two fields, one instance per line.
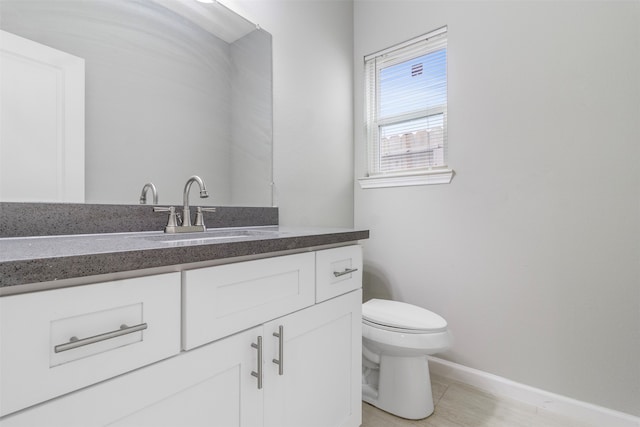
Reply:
x=211 y=236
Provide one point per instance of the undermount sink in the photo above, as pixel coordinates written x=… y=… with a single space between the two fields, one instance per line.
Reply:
x=211 y=235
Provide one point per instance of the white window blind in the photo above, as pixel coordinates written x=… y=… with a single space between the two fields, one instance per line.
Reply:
x=406 y=101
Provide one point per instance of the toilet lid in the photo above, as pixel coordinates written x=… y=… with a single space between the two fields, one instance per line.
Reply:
x=401 y=315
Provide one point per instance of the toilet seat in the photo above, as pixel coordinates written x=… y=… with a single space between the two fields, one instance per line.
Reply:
x=400 y=330
x=401 y=317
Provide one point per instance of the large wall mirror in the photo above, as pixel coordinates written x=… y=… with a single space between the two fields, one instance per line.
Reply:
x=173 y=88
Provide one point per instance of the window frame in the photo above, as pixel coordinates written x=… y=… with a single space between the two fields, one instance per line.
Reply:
x=373 y=64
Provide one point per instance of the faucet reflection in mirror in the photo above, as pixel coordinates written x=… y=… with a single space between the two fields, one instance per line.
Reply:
x=154 y=193
x=177 y=224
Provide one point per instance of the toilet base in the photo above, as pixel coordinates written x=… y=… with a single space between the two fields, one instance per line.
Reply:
x=399 y=385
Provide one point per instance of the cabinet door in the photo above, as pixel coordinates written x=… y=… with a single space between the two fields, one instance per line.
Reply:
x=320 y=384
x=209 y=386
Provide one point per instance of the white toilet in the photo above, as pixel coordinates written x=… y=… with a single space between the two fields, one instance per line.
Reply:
x=396 y=339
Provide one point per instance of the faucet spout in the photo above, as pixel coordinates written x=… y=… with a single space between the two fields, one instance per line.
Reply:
x=186 y=214
x=154 y=193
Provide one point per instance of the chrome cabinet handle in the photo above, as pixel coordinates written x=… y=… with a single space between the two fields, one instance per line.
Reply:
x=346 y=271
x=258 y=374
x=74 y=342
x=279 y=361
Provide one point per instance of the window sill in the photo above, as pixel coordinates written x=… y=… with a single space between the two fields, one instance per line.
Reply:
x=441 y=176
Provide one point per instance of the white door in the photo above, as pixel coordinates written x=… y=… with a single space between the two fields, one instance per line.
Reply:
x=41 y=123
x=320 y=385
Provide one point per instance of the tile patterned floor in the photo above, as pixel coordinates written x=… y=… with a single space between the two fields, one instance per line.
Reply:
x=460 y=405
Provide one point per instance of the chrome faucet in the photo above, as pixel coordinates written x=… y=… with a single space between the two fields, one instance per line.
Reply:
x=186 y=214
x=154 y=192
x=174 y=224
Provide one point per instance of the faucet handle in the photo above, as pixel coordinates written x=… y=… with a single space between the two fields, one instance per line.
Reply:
x=172 y=221
x=200 y=217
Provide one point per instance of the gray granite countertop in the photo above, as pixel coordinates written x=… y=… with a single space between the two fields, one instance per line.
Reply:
x=28 y=260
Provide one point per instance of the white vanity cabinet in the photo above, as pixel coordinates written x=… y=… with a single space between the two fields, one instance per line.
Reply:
x=258 y=350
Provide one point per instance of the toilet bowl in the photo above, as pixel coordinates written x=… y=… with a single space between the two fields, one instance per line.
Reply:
x=396 y=339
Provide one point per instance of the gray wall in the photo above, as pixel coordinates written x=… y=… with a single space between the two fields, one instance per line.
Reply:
x=532 y=253
x=313 y=106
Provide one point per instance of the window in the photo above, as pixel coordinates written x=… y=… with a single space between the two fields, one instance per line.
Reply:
x=406 y=102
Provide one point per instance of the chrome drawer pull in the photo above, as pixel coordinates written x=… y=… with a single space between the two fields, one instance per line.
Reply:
x=279 y=361
x=74 y=342
x=258 y=374
x=346 y=271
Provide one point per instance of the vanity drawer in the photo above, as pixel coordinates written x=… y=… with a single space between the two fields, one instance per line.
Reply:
x=338 y=271
x=53 y=342
x=222 y=300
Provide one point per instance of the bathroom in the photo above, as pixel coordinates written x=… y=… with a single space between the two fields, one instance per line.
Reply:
x=532 y=252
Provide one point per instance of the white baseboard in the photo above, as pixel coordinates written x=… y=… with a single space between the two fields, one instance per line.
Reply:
x=561 y=405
